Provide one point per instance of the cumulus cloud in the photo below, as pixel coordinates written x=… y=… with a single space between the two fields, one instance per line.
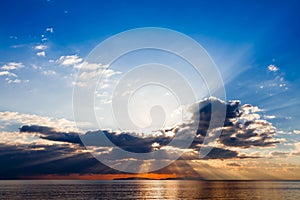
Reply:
x=273 y=68
x=41 y=53
x=243 y=126
x=69 y=60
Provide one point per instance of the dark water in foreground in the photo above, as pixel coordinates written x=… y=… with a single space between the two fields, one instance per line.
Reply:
x=170 y=189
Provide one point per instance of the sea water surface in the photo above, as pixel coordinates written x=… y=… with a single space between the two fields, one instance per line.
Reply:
x=150 y=189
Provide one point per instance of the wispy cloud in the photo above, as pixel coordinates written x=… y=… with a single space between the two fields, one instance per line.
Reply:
x=12 y=77
x=12 y=66
x=277 y=84
x=90 y=72
x=14 y=81
x=40 y=47
x=14 y=118
x=7 y=73
x=50 y=29
x=69 y=60
x=13 y=37
x=49 y=72
x=44 y=70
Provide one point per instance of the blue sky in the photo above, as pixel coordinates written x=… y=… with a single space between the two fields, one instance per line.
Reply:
x=241 y=35
x=255 y=45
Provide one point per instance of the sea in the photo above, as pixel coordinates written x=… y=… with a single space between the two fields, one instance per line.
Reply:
x=149 y=189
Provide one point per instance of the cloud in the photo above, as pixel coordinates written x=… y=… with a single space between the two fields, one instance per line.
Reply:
x=269 y=116
x=220 y=153
x=49 y=72
x=50 y=29
x=41 y=53
x=279 y=154
x=243 y=126
x=276 y=85
x=124 y=140
x=44 y=71
x=51 y=134
x=53 y=146
x=7 y=73
x=40 y=47
x=90 y=72
x=273 y=68
x=240 y=130
x=25 y=161
x=127 y=141
x=13 y=81
x=296 y=132
x=10 y=76
x=104 y=73
x=12 y=66
x=69 y=60
x=90 y=66
x=13 y=37
x=15 y=119
x=233 y=164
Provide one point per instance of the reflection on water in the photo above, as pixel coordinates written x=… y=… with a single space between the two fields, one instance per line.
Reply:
x=170 y=189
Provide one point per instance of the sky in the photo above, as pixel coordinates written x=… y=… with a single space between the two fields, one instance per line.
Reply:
x=45 y=43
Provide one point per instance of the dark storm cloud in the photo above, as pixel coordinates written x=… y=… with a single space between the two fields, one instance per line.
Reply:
x=49 y=133
x=258 y=133
x=220 y=153
x=242 y=128
x=279 y=154
x=214 y=153
x=33 y=160
x=233 y=164
x=131 y=143
x=125 y=140
x=202 y=113
x=242 y=125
